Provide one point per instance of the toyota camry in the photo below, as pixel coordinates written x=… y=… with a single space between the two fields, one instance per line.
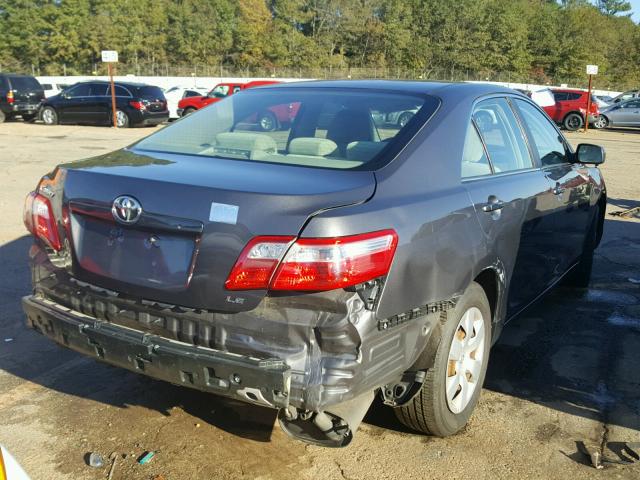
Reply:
x=334 y=258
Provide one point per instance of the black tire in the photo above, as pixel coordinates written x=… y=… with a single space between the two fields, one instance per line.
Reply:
x=580 y=276
x=601 y=122
x=3 y=117
x=122 y=119
x=49 y=116
x=267 y=122
x=428 y=411
x=573 y=122
x=404 y=118
x=30 y=118
x=188 y=111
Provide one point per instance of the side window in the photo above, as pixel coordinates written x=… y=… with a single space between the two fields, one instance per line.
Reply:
x=547 y=141
x=632 y=104
x=474 y=159
x=559 y=96
x=98 y=89
x=120 y=91
x=574 y=96
x=191 y=93
x=505 y=140
x=82 y=90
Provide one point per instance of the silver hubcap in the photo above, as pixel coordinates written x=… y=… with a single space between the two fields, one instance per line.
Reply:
x=466 y=355
x=121 y=119
x=601 y=123
x=47 y=116
x=266 y=123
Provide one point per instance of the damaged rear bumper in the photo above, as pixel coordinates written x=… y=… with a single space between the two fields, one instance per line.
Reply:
x=262 y=381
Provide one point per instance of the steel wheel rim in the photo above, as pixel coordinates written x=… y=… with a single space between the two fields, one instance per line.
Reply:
x=47 y=116
x=121 y=119
x=266 y=123
x=465 y=360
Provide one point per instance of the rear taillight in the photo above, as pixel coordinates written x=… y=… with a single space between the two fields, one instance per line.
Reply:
x=39 y=220
x=10 y=97
x=313 y=264
x=138 y=105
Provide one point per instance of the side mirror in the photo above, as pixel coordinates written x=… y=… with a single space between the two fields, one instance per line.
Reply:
x=592 y=154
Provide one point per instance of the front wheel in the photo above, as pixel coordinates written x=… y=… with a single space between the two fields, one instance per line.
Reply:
x=573 y=122
x=601 y=122
x=452 y=386
x=49 y=116
x=580 y=276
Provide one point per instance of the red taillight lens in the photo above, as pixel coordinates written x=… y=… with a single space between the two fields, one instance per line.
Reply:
x=138 y=105
x=39 y=220
x=10 y=97
x=257 y=262
x=314 y=264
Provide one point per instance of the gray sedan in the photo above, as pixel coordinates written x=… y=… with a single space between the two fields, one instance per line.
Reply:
x=626 y=114
x=312 y=268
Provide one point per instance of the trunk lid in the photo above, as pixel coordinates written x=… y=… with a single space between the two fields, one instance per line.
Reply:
x=197 y=216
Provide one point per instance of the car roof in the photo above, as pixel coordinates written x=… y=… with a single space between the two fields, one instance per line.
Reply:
x=568 y=90
x=408 y=86
x=118 y=82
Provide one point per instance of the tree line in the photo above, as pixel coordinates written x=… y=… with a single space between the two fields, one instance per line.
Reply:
x=544 y=41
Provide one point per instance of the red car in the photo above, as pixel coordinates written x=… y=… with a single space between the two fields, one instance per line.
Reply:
x=191 y=104
x=571 y=108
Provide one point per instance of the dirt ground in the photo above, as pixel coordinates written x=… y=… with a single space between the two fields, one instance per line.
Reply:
x=565 y=372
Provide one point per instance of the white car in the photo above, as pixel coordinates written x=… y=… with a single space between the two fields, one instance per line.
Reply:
x=51 y=89
x=177 y=93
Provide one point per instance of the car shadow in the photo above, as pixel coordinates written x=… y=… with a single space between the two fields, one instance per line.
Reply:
x=622 y=203
x=563 y=353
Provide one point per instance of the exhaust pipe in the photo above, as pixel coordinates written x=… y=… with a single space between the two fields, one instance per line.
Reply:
x=333 y=427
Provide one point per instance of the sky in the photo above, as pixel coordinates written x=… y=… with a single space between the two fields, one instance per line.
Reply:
x=635 y=4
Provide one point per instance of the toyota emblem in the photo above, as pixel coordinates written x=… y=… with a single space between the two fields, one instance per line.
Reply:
x=126 y=209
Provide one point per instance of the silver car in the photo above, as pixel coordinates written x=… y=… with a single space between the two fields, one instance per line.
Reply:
x=625 y=114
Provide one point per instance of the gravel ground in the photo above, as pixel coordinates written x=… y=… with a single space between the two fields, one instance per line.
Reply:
x=563 y=373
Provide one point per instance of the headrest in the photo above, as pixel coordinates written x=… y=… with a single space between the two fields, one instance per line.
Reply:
x=364 y=151
x=318 y=147
x=246 y=141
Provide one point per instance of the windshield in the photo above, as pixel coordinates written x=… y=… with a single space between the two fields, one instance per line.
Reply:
x=219 y=91
x=327 y=128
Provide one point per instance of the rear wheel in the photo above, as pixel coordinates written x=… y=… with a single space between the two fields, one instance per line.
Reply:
x=122 y=119
x=267 y=121
x=452 y=385
x=49 y=116
x=573 y=122
x=580 y=276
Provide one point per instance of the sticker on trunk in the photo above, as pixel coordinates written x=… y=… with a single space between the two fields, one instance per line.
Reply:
x=223 y=213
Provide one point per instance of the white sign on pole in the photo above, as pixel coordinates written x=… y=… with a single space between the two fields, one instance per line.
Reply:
x=109 y=56
x=592 y=69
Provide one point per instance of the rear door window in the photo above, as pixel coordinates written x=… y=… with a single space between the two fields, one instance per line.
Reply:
x=559 y=96
x=98 y=90
x=120 y=91
x=546 y=140
x=81 y=90
x=502 y=135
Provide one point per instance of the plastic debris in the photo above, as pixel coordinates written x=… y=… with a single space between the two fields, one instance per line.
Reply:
x=146 y=458
x=96 y=460
x=7 y=340
x=114 y=458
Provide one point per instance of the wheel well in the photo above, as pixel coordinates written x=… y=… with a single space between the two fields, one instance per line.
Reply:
x=488 y=280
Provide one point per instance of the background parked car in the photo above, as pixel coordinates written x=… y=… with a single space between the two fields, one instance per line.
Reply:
x=19 y=95
x=177 y=93
x=90 y=102
x=570 y=109
x=625 y=114
x=623 y=97
x=542 y=96
x=603 y=101
x=51 y=89
x=217 y=93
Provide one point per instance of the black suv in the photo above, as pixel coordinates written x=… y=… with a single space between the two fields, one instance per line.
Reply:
x=19 y=95
x=90 y=102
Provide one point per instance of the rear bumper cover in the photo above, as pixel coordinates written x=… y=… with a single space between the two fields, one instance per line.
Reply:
x=261 y=381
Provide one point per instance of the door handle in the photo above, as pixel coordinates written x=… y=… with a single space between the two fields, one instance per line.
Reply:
x=558 y=190
x=493 y=204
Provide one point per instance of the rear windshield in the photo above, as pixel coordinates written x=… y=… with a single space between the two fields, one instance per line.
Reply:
x=315 y=127
x=150 y=93
x=25 y=84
